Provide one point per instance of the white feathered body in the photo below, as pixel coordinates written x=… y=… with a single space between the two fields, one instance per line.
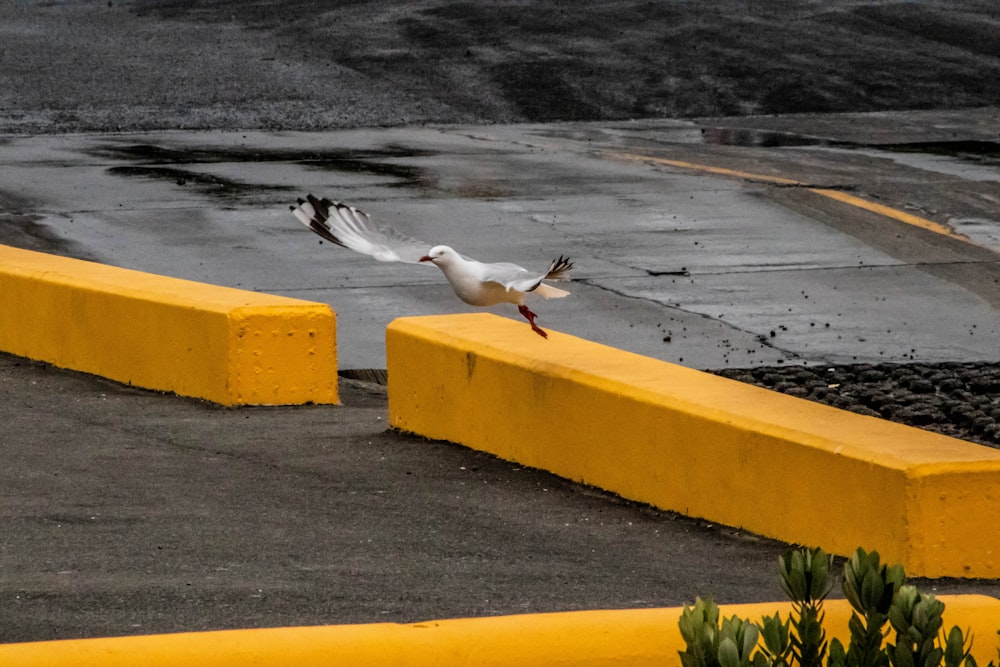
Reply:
x=481 y=284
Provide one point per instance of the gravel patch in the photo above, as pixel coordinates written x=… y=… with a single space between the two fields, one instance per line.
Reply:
x=961 y=400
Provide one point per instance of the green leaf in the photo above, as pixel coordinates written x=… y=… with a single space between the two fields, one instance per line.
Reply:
x=728 y=654
x=750 y=635
x=856 y=626
x=896 y=575
x=901 y=657
x=819 y=571
x=838 y=657
x=793 y=577
x=775 y=634
x=685 y=625
x=954 y=647
x=933 y=658
x=872 y=587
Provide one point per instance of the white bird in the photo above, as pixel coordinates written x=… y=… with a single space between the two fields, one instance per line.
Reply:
x=475 y=283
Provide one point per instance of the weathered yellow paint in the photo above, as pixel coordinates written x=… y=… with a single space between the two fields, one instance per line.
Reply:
x=890 y=212
x=698 y=444
x=582 y=639
x=229 y=346
x=693 y=166
x=843 y=197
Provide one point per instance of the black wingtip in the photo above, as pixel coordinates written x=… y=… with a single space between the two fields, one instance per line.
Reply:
x=324 y=231
x=560 y=268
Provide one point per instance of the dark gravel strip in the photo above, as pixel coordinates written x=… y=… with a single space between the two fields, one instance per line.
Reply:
x=961 y=400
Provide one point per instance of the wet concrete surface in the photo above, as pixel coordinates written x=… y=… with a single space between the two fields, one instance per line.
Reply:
x=125 y=511
x=710 y=271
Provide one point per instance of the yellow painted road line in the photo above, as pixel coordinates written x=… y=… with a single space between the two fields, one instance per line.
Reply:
x=890 y=212
x=837 y=195
x=746 y=175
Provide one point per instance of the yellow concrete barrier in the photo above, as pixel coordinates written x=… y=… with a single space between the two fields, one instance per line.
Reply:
x=225 y=345
x=698 y=444
x=581 y=639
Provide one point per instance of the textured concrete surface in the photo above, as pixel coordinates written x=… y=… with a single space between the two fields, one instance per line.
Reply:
x=306 y=64
x=703 y=269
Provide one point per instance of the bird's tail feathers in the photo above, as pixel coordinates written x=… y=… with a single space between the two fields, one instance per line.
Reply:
x=559 y=269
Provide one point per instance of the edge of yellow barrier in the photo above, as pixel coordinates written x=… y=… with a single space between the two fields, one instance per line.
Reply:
x=698 y=444
x=582 y=639
x=224 y=345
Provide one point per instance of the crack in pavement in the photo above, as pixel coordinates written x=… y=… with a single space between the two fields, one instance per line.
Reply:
x=759 y=338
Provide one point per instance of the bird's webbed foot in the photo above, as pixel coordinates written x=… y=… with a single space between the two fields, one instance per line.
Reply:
x=530 y=316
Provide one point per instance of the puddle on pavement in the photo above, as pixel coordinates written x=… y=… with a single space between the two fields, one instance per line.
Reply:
x=982 y=231
x=209 y=184
x=162 y=162
x=178 y=165
x=982 y=152
x=166 y=155
x=726 y=136
x=29 y=231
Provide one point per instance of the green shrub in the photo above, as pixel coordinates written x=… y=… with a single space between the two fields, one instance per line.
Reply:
x=879 y=597
x=869 y=587
x=711 y=644
x=805 y=578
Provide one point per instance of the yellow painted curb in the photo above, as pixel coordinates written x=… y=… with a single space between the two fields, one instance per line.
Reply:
x=229 y=346
x=581 y=639
x=698 y=444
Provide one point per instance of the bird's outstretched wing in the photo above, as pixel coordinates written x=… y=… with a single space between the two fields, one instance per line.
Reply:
x=512 y=276
x=354 y=229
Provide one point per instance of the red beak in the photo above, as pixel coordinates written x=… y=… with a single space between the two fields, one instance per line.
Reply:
x=426 y=258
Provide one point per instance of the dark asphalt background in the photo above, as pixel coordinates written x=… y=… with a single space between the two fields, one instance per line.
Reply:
x=125 y=511
x=305 y=64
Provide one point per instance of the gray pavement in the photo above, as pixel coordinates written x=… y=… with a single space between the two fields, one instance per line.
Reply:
x=129 y=512
x=672 y=263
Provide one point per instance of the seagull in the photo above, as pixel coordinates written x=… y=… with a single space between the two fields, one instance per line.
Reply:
x=476 y=283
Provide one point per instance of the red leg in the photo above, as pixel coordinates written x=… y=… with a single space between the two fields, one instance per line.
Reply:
x=530 y=316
